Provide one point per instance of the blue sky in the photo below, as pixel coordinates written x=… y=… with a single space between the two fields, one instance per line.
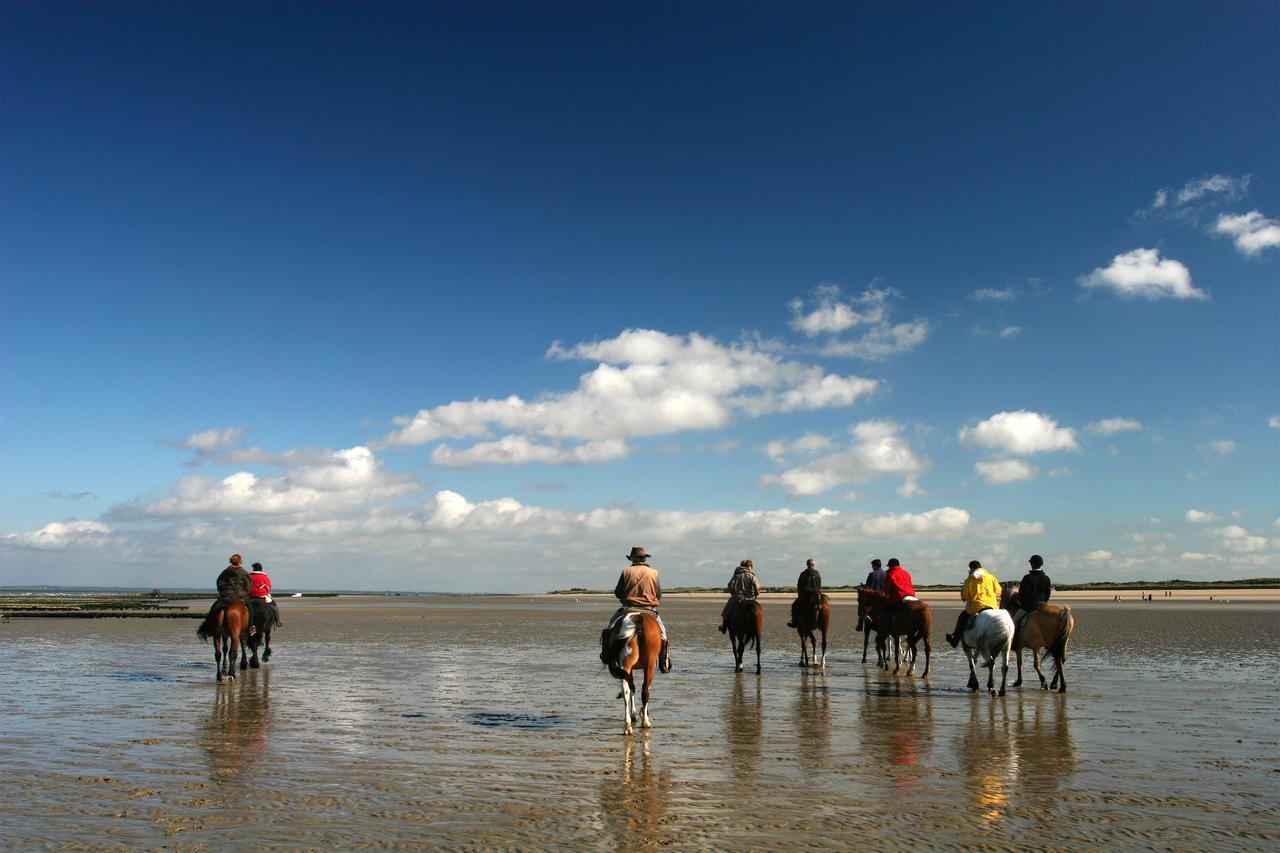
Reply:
x=477 y=297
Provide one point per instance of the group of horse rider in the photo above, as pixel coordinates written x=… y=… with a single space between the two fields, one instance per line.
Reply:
x=638 y=588
x=252 y=589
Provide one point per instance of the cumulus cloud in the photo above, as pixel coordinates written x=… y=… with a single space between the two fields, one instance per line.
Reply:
x=1019 y=433
x=1099 y=555
x=1005 y=471
x=1219 y=447
x=1252 y=231
x=1010 y=331
x=207 y=442
x=1111 y=426
x=518 y=450
x=828 y=313
x=1274 y=421
x=61 y=534
x=877 y=450
x=345 y=478
x=1143 y=273
x=646 y=383
x=1195 y=516
x=1236 y=539
x=991 y=294
x=1183 y=201
x=998 y=529
x=808 y=444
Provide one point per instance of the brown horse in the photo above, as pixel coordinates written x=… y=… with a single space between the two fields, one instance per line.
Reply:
x=1048 y=627
x=746 y=625
x=635 y=640
x=867 y=623
x=811 y=616
x=910 y=619
x=228 y=628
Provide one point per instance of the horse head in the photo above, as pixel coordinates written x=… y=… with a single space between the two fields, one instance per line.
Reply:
x=1009 y=597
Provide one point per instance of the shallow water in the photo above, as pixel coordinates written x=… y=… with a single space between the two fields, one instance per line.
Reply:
x=484 y=722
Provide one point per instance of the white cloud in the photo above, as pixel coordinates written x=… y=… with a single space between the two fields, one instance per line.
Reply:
x=1236 y=539
x=1219 y=447
x=1019 y=433
x=1010 y=331
x=1196 y=556
x=881 y=342
x=518 y=450
x=344 y=478
x=1111 y=426
x=1274 y=421
x=1143 y=273
x=991 y=294
x=1252 y=231
x=877 y=450
x=647 y=383
x=831 y=316
x=1195 y=516
x=61 y=534
x=1005 y=471
x=208 y=441
x=1213 y=187
x=1099 y=556
x=997 y=529
x=808 y=444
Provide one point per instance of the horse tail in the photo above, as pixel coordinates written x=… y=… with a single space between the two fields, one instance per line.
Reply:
x=208 y=626
x=1066 y=624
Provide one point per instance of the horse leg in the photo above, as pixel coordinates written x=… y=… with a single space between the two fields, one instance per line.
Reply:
x=217 y=657
x=991 y=676
x=1018 y=682
x=927 y=651
x=266 y=643
x=822 y=661
x=1035 y=662
x=897 y=655
x=757 y=653
x=644 y=695
x=254 y=641
x=739 y=646
x=1004 y=671
x=242 y=643
x=866 y=635
x=627 y=690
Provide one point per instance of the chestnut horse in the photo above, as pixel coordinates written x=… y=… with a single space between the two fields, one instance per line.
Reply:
x=911 y=619
x=1048 y=627
x=635 y=640
x=746 y=625
x=809 y=617
x=867 y=623
x=227 y=628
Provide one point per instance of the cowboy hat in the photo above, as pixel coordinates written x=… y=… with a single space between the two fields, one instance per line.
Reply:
x=637 y=553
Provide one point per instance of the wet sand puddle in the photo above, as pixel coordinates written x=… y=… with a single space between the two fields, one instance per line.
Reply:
x=486 y=723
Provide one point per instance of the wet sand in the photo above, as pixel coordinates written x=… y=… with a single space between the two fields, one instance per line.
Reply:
x=483 y=722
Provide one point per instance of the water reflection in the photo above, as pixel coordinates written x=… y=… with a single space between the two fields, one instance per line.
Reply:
x=989 y=757
x=235 y=738
x=812 y=717
x=897 y=728
x=744 y=715
x=634 y=803
x=1047 y=754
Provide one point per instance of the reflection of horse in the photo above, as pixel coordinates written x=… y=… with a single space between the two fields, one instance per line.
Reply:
x=989 y=634
x=1048 y=627
x=812 y=720
x=264 y=617
x=235 y=739
x=635 y=640
x=910 y=619
x=746 y=625
x=745 y=721
x=633 y=803
x=227 y=628
x=867 y=622
x=812 y=615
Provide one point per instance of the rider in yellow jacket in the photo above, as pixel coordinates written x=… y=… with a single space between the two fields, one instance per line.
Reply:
x=981 y=592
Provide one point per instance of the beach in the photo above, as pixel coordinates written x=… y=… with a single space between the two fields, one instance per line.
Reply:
x=479 y=722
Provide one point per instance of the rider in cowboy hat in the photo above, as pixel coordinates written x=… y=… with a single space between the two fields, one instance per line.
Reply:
x=638 y=587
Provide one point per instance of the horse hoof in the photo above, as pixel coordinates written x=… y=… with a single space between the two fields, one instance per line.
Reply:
x=737 y=669
x=1001 y=693
x=253 y=664
x=1018 y=683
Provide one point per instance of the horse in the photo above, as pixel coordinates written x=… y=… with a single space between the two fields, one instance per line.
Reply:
x=989 y=634
x=746 y=625
x=867 y=623
x=635 y=640
x=1048 y=627
x=809 y=617
x=227 y=627
x=911 y=619
x=265 y=619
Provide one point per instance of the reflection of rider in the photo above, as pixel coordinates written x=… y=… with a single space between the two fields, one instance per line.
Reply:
x=638 y=588
x=742 y=587
x=1034 y=590
x=260 y=590
x=808 y=591
x=233 y=586
x=981 y=592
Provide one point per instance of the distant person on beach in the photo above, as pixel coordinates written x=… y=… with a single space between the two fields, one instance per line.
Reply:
x=233 y=586
x=897 y=585
x=875 y=578
x=638 y=587
x=260 y=596
x=1034 y=590
x=808 y=588
x=742 y=587
x=981 y=592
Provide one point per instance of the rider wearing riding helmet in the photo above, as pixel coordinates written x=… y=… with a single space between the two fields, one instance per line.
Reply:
x=981 y=592
x=1034 y=590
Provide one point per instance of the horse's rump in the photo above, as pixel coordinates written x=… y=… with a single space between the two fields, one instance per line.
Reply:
x=212 y=625
x=745 y=618
x=615 y=641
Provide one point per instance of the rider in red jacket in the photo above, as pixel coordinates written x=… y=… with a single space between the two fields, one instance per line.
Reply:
x=260 y=591
x=897 y=583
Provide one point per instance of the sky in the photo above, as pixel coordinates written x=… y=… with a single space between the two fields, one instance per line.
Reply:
x=474 y=298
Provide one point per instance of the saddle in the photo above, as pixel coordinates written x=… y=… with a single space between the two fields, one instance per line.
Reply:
x=614 y=637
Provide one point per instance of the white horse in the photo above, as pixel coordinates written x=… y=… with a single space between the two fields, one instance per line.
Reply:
x=989 y=634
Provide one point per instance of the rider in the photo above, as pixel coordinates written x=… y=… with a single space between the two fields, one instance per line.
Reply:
x=260 y=590
x=981 y=592
x=808 y=590
x=638 y=588
x=875 y=578
x=1034 y=590
x=742 y=587
x=233 y=586
x=897 y=585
